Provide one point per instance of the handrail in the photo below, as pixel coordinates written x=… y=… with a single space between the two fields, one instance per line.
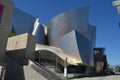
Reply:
x=45 y=71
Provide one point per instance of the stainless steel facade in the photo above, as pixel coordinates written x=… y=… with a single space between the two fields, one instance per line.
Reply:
x=92 y=35
x=23 y=22
x=55 y=52
x=71 y=32
x=38 y=32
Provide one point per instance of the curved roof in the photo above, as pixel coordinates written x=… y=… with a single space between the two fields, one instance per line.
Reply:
x=57 y=51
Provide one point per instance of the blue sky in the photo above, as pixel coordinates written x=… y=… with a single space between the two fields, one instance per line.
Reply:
x=102 y=14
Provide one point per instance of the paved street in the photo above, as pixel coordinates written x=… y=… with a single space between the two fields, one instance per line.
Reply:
x=112 y=77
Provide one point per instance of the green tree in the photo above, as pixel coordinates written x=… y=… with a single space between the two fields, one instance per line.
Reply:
x=117 y=68
x=11 y=34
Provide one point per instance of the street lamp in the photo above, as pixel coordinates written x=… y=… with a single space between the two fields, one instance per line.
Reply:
x=65 y=67
x=39 y=57
x=117 y=4
x=56 y=64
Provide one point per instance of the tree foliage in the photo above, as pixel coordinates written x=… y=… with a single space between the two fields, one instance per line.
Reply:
x=117 y=68
x=11 y=34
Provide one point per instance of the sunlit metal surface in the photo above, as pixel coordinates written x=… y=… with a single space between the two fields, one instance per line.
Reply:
x=23 y=22
x=59 y=52
x=77 y=46
x=67 y=21
x=71 y=32
x=92 y=35
x=38 y=32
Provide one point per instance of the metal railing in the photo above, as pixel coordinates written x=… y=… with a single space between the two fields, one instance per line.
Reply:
x=46 y=72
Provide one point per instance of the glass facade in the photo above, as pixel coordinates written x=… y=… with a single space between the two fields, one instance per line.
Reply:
x=1 y=11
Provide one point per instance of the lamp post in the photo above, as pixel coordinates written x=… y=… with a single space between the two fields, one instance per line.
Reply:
x=56 y=64
x=65 y=67
x=116 y=3
x=39 y=57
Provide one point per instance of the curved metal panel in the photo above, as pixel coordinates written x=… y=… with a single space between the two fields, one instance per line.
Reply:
x=77 y=46
x=70 y=31
x=85 y=49
x=22 y=21
x=58 y=52
x=65 y=22
x=69 y=45
x=92 y=35
x=38 y=32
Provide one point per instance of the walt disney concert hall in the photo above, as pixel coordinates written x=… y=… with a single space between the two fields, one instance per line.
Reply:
x=63 y=46
x=67 y=35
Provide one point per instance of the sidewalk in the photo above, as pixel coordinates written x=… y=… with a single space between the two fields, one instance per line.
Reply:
x=111 y=77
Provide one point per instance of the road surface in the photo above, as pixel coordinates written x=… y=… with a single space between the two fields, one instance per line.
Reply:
x=111 y=77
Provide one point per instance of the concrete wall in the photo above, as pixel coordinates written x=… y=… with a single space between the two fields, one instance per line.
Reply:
x=24 y=43
x=99 y=66
x=14 y=70
x=5 y=24
x=19 y=50
x=31 y=74
x=30 y=49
